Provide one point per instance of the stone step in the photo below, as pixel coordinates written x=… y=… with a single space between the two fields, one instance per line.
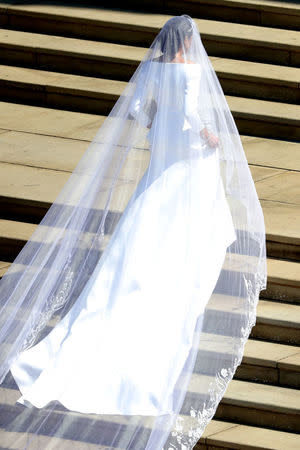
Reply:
x=52 y=123
x=98 y=96
x=278 y=322
x=283 y=280
x=282 y=228
x=109 y=60
x=25 y=200
x=258 y=404
x=233 y=40
x=56 y=139
x=270 y=362
x=4 y=265
x=220 y=435
x=266 y=13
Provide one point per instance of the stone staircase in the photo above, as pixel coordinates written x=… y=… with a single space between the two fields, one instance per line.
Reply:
x=61 y=70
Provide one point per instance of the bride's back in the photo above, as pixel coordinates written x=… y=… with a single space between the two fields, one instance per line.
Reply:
x=171 y=85
x=175 y=89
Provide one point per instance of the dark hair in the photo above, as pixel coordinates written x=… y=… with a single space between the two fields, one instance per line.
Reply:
x=173 y=33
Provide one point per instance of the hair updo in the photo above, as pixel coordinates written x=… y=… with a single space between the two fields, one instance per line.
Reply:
x=173 y=34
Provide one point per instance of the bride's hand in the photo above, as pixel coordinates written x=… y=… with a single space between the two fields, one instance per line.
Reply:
x=212 y=140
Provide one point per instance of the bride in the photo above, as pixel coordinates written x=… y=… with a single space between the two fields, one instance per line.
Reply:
x=116 y=311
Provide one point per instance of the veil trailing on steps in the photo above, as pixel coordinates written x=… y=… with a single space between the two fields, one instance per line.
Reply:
x=124 y=317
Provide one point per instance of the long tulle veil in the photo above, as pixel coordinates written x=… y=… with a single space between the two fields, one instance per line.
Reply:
x=129 y=153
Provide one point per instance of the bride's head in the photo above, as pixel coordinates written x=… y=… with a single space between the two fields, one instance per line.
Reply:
x=175 y=36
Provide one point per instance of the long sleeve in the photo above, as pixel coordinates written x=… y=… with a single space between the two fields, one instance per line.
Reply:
x=195 y=112
x=138 y=101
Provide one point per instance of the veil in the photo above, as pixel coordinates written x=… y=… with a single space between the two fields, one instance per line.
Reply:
x=163 y=207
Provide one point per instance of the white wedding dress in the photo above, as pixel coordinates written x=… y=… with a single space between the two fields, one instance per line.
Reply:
x=123 y=344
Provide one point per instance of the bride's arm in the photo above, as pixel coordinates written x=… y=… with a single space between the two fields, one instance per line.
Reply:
x=200 y=124
x=137 y=111
x=140 y=100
